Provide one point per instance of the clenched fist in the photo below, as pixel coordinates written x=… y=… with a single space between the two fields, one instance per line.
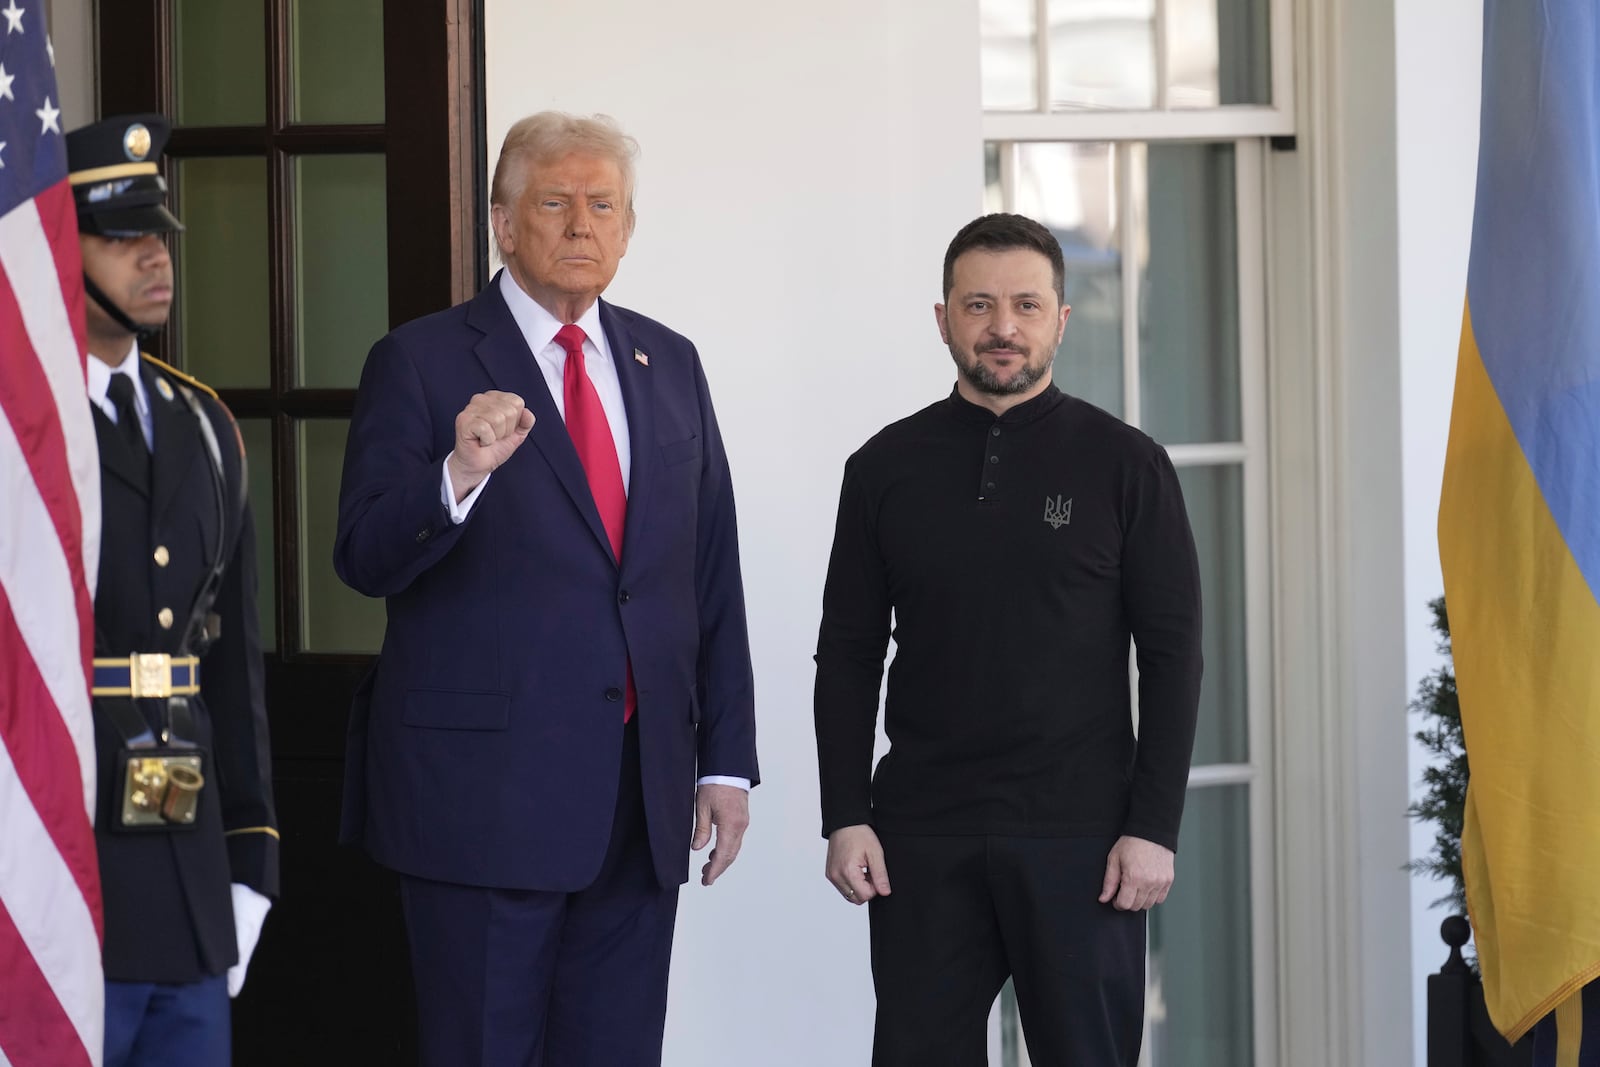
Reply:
x=491 y=427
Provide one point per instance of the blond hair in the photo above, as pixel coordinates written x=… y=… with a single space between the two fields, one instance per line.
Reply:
x=551 y=135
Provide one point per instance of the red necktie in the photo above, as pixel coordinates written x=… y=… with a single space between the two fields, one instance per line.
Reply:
x=597 y=451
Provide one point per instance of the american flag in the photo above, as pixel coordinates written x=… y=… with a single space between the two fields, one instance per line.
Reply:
x=51 y=986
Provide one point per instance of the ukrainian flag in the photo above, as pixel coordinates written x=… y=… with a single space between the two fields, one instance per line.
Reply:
x=1519 y=518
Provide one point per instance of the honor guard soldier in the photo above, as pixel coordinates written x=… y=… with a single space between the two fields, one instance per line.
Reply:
x=185 y=827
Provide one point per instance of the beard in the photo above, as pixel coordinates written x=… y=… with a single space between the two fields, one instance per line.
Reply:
x=983 y=378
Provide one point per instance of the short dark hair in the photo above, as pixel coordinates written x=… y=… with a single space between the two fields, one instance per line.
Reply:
x=1001 y=233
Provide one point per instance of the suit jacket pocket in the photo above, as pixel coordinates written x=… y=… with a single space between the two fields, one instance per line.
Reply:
x=680 y=451
x=456 y=709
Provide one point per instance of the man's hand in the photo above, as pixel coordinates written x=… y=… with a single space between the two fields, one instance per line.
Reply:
x=727 y=807
x=1138 y=875
x=855 y=864
x=491 y=427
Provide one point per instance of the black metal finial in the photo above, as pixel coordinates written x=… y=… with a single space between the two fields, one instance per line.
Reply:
x=1456 y=932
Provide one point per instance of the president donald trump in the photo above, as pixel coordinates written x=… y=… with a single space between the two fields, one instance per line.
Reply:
x=536 y=484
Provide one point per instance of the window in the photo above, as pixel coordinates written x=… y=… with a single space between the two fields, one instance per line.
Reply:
x=1136 y=68
x=1136 y=131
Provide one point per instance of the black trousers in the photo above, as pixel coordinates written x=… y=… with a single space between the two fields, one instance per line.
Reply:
x=965 y=913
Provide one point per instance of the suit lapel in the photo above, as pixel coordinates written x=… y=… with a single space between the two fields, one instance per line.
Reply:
x=114 y=454
x=639 y=401
x=176 y=442
x=504 y=353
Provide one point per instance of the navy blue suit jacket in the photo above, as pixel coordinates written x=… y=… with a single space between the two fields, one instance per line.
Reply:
x=485 y=747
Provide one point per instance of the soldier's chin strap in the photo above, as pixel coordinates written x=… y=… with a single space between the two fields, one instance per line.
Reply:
x=99 y=297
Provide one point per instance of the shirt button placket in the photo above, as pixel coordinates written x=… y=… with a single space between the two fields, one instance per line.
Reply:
x=989 y=481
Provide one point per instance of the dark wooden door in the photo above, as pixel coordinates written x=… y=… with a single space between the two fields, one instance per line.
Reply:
x=327 y=160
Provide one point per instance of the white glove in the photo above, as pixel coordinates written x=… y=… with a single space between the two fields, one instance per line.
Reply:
x=249 y=912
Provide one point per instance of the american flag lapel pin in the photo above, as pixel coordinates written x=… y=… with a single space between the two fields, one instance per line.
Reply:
x=640 y=358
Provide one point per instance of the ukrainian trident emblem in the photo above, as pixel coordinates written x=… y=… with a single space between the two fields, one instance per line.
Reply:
x=1058 y=512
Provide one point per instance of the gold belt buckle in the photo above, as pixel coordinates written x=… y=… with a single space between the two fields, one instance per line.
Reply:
x=150 y=674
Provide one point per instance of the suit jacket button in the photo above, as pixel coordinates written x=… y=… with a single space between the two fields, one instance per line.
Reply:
x=164 y=617
x=162 y=555
x=422 y=535
x=622 y=597
x=613 y=694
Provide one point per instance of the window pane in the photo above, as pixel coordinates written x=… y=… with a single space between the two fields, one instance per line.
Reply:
x=221 y=75
x=1189 y=296
x=222 y=270
x=334 y=617
x=1072 y=189
x=1200 y=972
x=1214 y=497
x=1102 y=54
x=257 y=435
x=994 y=198
x=1010 y=56
x=337 y=60
x=1218 y=53
x=341 y=266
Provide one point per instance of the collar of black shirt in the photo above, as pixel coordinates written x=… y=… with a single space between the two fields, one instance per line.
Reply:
x=1025 y=412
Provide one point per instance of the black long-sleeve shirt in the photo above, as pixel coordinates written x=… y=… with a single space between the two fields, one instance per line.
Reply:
x=1019 y=555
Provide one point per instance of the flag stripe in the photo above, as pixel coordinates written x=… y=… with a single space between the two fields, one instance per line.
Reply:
x=29 y=401
x=1535 y=262
x=52 y=919
x=1523 y=629
x=58 y=220
x=39 y=273
x=37 y=575
x=34 y=1030
x=38 y=746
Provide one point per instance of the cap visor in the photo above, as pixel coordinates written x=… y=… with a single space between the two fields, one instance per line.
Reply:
x=130 y=221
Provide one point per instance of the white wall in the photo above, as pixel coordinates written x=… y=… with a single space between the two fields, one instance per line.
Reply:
x=803 y=167
x=1438 y=48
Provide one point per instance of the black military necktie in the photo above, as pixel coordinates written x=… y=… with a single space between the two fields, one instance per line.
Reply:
x=121 y=393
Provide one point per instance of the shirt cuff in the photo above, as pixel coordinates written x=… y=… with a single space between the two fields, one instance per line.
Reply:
x=725 y=779
x=458 y=512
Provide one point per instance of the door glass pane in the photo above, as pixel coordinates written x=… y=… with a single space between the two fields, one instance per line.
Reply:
x=221 y=62
x=1189 y=296
x=1072 y=190
x=1102 y=54
x=1218 y=53
x=1199 y=982
x=257 y=435
x=335 y=618
x=336 y=60
x=1010 y=56
x=222 y=270
x=341 y=266
x=1214 y=497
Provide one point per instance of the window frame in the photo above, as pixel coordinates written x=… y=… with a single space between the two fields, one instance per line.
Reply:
x=1158 y=123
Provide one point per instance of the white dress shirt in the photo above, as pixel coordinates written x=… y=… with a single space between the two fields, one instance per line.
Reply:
x=100 y=389
x=539 y=329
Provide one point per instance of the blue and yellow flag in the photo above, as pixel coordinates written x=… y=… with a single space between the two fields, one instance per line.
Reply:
x=1519 y=518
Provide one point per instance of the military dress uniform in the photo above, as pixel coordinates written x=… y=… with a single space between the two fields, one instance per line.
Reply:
x=184 y=813
x=175 y=534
